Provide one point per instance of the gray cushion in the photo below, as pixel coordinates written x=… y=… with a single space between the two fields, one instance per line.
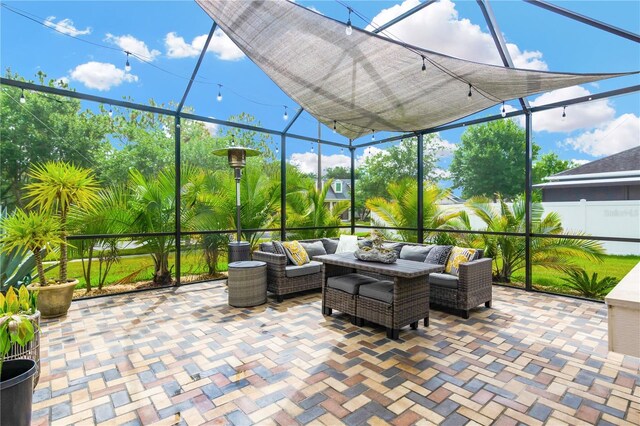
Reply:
x=266 y=247
x=417 y=253
x=278 y=248
x=312 y=267
x=479 y=254
x=438 y=255
x=330 y=245
x=314 y=249
x=349 y=282
x=380 y=290
x=443 y=280
x=396 y=246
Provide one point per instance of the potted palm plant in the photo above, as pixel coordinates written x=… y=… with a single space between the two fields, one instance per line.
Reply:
x=16 y=376
x=56 y=187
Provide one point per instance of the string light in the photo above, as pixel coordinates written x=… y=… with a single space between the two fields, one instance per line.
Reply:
x=277 y=150
x=110 y=112
x=22 y=98
x=312 y=149
x=285 y=116
x=349 y=29
x=373 y=136
x=503 y=111
x=470 y=94
x=341 y=151
x=127 y=65
x=424 y=65
x=233 y=140
x=564 y=112
x=334 y=126
x=219 y=97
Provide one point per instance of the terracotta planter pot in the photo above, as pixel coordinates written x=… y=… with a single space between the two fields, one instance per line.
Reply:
x=54 y=299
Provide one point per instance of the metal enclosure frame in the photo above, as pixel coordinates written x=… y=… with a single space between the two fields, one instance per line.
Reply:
x=527 y=111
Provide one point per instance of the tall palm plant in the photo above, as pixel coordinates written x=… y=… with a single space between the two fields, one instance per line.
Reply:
x=56 y=187
x=401 y=209
x=508 y=252
x=35 y=231
x=307 y=208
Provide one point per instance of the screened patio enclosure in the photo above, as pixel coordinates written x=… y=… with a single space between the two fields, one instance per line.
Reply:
x=358 y=85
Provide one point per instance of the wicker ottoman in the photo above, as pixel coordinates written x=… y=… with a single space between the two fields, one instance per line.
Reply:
x=247 y=283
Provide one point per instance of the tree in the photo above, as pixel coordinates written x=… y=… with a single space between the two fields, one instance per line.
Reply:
x=548 y=165
x=490 y=160
x=45 y=128
x=339 y=172
x=402 y=210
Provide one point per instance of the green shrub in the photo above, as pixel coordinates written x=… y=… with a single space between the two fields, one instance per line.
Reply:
x=591 y=287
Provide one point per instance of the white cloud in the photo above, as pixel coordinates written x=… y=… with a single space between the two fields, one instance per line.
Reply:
x=579 y=162
x=586 y=115
x=438 y=28
x=220 y=44
x=307 y=162
x=609 y=138
x=65 y=26
x=441 y=147
x=211 y=127
x=133 y=45
x=101 y=76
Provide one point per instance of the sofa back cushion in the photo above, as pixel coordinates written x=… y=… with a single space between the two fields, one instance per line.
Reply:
x=315 y=248
x=266 y=247
x=395 y=246
x=417 y=253
x=438 y=255
x=278 y=248
x=296 y=253
x=330 y=245
x=459 y=255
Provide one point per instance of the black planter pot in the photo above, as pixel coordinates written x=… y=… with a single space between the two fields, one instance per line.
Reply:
x=16 y=392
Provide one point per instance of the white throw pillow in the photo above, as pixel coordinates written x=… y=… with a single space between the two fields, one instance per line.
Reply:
x=347 y=244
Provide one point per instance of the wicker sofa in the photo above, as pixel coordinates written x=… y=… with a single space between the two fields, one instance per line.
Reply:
x=472 y=287
x=284 y=278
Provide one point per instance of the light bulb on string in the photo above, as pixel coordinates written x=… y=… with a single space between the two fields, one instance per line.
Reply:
x=285 y=116
x=349 y=29
x=373 y=136
x=424 y=65
x=312 y=149
x=219 y=97
x=341 y=151
x=334 y=126
x=127 y=65
x=503 y=111
x=277 y=150
x=469 y=94
x=564 y=113
x=110 y=112
x=233 y=140
x=22 y=98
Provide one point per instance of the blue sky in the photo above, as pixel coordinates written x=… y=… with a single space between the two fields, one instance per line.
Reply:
x=168 y=35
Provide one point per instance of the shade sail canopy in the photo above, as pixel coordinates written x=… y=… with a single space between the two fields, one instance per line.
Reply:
x=364 y=82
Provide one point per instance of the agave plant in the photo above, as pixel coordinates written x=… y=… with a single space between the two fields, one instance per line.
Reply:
x=56 y=187
x=401 y=210
x=590 y=287
x=35 y=231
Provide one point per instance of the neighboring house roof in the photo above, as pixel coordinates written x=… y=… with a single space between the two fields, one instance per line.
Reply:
x=340 y=196
x=623 y=161
x=622 y=168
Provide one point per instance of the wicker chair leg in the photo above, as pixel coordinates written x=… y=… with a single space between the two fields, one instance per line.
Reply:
x=465 y=314
x=326 y=311
x=393 y=333
x=359 y=322
x=414 y=325
x=279 y=298
x=426 y=322
x=488 y=304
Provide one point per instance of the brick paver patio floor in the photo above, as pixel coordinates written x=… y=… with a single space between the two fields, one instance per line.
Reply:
x=183 y=356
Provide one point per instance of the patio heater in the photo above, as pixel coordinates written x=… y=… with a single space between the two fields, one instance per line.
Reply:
x=237 y=156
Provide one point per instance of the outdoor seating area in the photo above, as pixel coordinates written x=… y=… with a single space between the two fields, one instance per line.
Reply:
x=282 y=212
x=184 y=356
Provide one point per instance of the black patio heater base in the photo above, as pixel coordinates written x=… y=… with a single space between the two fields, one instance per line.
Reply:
x=239 y=251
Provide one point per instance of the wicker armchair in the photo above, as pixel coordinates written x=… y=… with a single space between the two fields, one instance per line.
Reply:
x=279 y=282
x=474 y=287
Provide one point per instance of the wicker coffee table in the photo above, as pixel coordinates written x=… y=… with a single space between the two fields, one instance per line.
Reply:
x=247 y=283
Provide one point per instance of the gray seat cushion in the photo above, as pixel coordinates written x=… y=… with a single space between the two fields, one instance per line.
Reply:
x=312 y=267
x=443 y=280
x=314 y=249
x=380 y=290
x=349 y=283
x=417 y=253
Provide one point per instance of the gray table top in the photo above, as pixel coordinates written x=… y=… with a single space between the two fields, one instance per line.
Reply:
x=401 y=268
